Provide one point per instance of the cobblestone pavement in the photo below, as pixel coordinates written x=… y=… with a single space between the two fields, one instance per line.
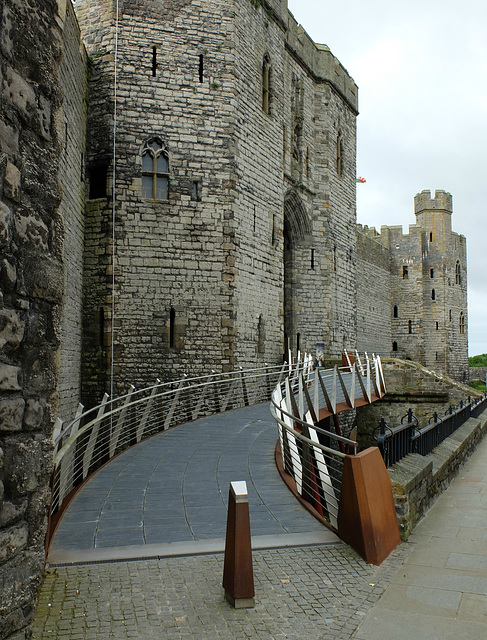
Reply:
x=318 y=592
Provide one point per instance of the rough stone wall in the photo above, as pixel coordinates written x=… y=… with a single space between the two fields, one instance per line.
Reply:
x=296 y=140
x=31 y=278
x=407 y=291
x=258 y=210
x=374 y=312
x=445 y=272
x=73 y=81
x=174 y=280
x=418 y=480
x=477 y=373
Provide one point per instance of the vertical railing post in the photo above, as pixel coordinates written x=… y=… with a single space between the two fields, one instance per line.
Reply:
x=90 y=447
x=381 y=440
x=68 y=462
x=145 y=416
x=245 y=394
x=114 y=438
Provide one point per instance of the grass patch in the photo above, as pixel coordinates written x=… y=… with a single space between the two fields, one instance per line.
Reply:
x=477 y=384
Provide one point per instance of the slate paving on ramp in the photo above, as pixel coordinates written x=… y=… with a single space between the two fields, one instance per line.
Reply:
x=173 y=488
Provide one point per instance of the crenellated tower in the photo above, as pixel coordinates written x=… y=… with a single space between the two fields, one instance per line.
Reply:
x=420 y=287
x=444 y=285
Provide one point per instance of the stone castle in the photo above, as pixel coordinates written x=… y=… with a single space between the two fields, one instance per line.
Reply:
x=219 y=196
x=177 y=188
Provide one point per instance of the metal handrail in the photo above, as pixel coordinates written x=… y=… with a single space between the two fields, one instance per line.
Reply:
x=409 y=437
x=95 y=436
x=317 y=466
x=195 y=381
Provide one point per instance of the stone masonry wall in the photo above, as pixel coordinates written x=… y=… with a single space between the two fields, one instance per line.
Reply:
x=296 y=138
x=445 y=269
x=417 y=480
x=31 y=279
x=174 y=280
x=374 y=312
x=426 y=278
x=258 y=210
x=477 y=373
x=198 y=275
x=410 y=386
x=72 y=170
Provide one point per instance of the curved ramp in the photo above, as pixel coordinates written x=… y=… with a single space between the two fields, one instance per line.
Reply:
x=168 y=495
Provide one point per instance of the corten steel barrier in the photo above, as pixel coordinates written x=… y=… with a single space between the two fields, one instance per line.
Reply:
x=97 y=435
x=311 y=455
x=396 y=442
x=350 y=492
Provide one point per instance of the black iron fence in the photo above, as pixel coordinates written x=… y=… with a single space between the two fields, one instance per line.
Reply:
x=408 y=437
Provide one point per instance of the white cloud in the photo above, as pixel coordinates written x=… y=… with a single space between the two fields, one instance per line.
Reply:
x=421 y=69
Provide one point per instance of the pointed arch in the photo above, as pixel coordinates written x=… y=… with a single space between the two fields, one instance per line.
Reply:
x=155 y=169
x=297 y=223
x=298 y=239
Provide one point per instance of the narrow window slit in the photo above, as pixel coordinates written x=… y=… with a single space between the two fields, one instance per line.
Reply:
x=172 y=324
x=154 y=61
x=101 y=326
x=200 y=67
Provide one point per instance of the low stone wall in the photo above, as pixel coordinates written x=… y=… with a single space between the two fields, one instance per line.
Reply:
x=477 y=373
x=417 y=480
x=409 y=386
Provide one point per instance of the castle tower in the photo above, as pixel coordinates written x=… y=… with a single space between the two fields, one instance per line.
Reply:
x=444 y=286
x=419 y=307
x=233 y=176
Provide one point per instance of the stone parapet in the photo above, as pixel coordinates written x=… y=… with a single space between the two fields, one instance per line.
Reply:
x=418 y=480
x=477 y=373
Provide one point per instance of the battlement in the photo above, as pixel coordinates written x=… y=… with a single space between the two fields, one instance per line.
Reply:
x=396 y=232
x=319 y=59
x=364 y=229
x=441 y=202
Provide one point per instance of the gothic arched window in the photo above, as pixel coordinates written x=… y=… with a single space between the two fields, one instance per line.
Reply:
x=458 y=273
x=462 y=323
x=155 y=171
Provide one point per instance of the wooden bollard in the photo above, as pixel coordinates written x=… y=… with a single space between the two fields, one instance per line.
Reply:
x=238 y=576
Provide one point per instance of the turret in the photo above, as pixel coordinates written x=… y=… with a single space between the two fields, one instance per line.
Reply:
x=434 y=214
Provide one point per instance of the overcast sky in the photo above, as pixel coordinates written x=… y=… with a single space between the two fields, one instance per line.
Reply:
x=421 y=69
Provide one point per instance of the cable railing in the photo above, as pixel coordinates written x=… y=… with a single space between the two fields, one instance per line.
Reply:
x=408 y=437
x=94 y=437
x=312 y=455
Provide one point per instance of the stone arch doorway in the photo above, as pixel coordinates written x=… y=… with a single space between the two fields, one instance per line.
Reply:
x=298 y=240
